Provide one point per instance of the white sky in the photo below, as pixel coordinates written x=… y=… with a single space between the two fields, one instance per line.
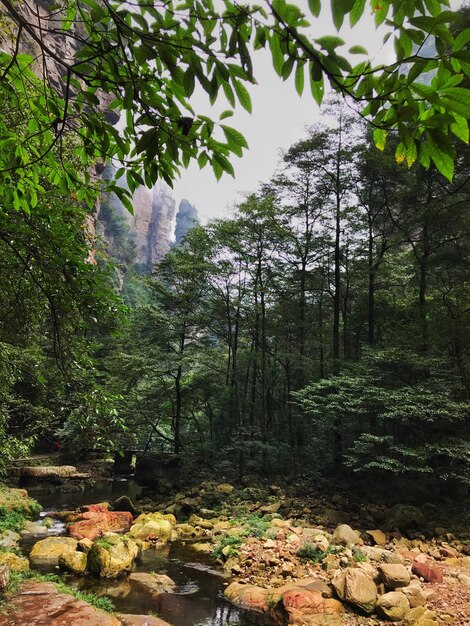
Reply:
x=278 y=120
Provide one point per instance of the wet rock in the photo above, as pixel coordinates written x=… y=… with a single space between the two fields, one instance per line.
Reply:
x=124 y=503
x=427 y=571
x=393 y=606
x=153 y=526
x=33 y=529
x=356 y=588
x=74 y=562
x=97 y=521
x=152 y=583
x=141 y=620
x=404 y=517
x=345 y=535
x=394 y=576
x=14 y=562
x=113 y=556
x=40 y=604
x=47 y=551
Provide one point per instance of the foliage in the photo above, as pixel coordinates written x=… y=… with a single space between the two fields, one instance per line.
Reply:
x=148 y=60
x=11 y=520
x=232 y=542
x=314 y=554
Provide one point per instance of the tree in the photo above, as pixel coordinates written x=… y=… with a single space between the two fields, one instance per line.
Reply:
x=145 y=60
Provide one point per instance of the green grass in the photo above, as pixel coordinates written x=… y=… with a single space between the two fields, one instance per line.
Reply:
x=101 y=603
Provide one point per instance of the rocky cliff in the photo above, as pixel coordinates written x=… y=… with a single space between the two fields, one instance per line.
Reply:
x=141 y=239
x=186 y=218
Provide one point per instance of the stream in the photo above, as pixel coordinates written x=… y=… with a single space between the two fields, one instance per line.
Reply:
x=199 y=596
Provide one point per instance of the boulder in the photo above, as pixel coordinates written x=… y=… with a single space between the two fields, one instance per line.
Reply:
x=74 y=562
x=393 y=606
x=356 y=588
x=41 y=604
x=93 y=524
x=249 y=597
x=85 y=545
x=377 y=536
x=404 y=517
x=427 y=571
x=153 y=526
x=47 y=551
x=394 y=576
x=152 y=583
x=300 y=602
x=225 y=488
x=414 y=594
x=14 y=562
x=421 y=616
x=33 y=529
x=345 y=535
x=112 y=556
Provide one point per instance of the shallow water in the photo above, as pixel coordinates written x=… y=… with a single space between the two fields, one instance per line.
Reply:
x=198 y=599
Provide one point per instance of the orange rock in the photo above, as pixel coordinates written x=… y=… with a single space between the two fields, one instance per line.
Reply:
x=91 y=525
x=308 y=601
x=40 y=603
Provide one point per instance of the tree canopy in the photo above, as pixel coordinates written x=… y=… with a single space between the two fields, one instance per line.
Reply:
x=71 y=68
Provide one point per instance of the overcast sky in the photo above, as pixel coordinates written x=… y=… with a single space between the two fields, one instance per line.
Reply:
x=278 y=120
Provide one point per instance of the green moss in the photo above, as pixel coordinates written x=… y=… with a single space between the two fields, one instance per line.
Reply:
x=11 y=520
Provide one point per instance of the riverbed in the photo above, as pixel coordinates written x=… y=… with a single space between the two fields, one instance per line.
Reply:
x=198 y=599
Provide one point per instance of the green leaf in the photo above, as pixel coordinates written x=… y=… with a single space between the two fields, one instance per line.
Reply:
x=339 y=8
x=242 y=94
x=358 y=50
x=380 y=138
x=442 y=153
x=276 y=52
x=315 y=7
x=299 y=78
x=225 y=114
x=329 y=42
x=460 y=128
x=461 y=40
x=234 y=136
x=357 y=12
x=317 y=88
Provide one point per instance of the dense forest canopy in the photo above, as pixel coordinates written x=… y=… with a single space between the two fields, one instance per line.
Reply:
x=323 y=327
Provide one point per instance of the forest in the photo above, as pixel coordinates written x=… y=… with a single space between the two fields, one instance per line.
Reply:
x=317 y=337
